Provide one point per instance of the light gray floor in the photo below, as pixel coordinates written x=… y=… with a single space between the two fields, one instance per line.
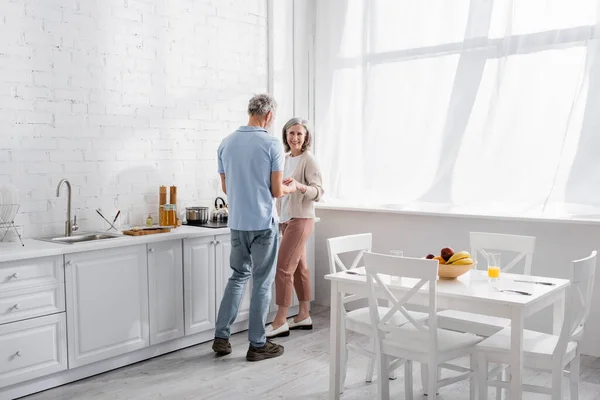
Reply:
x=301 y=373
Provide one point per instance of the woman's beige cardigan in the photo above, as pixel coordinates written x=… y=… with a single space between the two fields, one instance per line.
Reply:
x=301 y=205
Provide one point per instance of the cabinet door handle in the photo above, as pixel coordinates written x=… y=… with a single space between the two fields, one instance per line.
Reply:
x=15 y=275
x=18 y=354
x=218 y=242
x=213 y=242
x=69 y=263
x=151 y=250
x=16 y=306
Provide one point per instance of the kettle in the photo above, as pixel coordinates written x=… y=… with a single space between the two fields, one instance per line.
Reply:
x=221 y=212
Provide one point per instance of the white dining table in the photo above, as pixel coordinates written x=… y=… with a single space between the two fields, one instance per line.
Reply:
x=471 y=292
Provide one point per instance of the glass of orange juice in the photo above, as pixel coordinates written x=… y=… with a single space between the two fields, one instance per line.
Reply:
x=493 y=260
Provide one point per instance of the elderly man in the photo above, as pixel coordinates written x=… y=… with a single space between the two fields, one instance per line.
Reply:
x=251 y=164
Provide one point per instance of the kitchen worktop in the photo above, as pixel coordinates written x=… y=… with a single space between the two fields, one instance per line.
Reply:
x=35 y=248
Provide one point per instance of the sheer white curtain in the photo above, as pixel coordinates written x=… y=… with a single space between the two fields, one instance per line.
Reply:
x=282 y=61
x=482 y=106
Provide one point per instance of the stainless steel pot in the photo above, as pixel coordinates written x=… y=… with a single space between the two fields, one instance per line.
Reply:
x=196 y=215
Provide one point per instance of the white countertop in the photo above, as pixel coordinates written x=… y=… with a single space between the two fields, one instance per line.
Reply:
x=35 y=248
x=13 y=251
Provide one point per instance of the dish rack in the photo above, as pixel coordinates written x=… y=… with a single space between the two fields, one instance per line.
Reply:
x=8 y=212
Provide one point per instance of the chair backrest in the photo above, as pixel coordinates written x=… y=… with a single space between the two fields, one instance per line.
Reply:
x=524 y=246
x=578 y=302
x=425 y=271
x=346 y=244
x=360 y=243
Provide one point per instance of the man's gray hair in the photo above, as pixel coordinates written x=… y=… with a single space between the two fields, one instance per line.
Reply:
x=261 y=104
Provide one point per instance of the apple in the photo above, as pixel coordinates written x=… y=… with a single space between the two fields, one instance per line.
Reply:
x=446 y=253
x=429 y=256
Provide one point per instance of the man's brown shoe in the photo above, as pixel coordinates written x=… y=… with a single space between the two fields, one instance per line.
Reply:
x=269 y=350
x=221 y=346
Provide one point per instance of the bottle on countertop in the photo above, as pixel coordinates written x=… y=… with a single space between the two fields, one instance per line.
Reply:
x=149 y=221
x=171 y=216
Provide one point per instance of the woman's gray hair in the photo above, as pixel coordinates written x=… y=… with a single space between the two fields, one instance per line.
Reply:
x=261 y=104
x=292 y=122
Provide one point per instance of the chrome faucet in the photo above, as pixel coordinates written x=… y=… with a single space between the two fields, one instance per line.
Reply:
x=69 y=227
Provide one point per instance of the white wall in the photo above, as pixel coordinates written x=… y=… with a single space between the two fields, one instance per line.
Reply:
x=557 y=244
x=120 y=97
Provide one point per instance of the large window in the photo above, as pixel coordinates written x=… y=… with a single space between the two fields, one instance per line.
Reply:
x=281 y=54
x=476 y=106
x=291 y=29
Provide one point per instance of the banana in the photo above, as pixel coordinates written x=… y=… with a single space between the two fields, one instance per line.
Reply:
x=463 y=261
x=458 y=256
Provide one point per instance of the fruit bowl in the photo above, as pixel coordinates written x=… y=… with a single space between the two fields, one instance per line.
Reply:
x=451 y=264
x=453 y=271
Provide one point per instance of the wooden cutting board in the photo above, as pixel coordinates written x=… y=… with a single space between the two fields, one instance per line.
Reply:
x=142 y=232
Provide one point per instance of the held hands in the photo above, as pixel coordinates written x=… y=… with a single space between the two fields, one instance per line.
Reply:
x=292 y=185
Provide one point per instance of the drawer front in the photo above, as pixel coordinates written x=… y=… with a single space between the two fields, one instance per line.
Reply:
x=26 y=273
x=18 y=305
x=32 y=348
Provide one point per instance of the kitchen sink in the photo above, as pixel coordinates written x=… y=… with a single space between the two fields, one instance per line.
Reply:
x=81 y=238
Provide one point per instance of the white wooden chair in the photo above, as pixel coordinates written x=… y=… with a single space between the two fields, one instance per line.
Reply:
x=358 y=320
x=484 y=325
x=416 y=340
x=544 y=351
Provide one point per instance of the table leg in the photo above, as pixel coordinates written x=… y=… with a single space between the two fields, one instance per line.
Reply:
x=516 y=354
x=559 y=314
x=335 y=343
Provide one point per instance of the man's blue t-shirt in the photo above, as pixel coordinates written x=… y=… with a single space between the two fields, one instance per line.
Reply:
x=247 y=157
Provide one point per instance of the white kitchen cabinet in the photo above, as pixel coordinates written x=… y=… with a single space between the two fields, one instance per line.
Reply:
x=199 y=284
x=224 y=271
x=36 y=301
x=118 y=302
x=107 y=303
x=310 y=260
x=32 y=348
x=165 y=290
x=206 y=271
x=28 y=273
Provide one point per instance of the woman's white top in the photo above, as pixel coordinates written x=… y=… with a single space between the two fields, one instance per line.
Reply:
x=290 y=166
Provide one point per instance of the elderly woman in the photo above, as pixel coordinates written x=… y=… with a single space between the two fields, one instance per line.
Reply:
x=297 y=219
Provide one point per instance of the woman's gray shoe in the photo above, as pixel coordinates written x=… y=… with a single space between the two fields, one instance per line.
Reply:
x=269 y=350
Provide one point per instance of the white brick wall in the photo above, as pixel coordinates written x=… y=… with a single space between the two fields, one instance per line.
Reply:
x=119 y=97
